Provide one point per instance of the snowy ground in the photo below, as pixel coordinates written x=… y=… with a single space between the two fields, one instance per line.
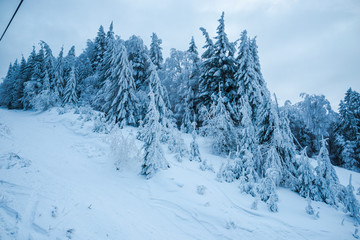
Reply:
x=58 y=181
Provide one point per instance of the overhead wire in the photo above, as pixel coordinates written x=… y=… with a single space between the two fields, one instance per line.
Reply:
x=11 y=20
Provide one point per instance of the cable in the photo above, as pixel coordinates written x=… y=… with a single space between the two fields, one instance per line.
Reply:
x=11 y=20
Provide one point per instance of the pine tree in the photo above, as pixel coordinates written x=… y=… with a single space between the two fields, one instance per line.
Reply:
x=99 y=48
x=326 y=179
x=70 y=96
x=220 y=127
x=161 y=96
x=150 y=132
x=350 y=203
x=155 y=51
x=6 y=86
x=246 y=76
x=226 y=172
x=49 y=62
x=267 y=193
x=194 y=147
x=138 y=57
x=248 y=141
x=218 y=67
x=105 y=65
x=59 y=75
x=306 y=176
x=19 y=87
x=121 y=102
x=191 y=88
x=348 y=132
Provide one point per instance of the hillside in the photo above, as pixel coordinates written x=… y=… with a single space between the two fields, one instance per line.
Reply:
x=58 y=181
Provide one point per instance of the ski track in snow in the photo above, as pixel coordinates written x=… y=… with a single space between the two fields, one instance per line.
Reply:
x=72 y=190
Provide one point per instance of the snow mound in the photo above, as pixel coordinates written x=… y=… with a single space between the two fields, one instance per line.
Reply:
x=13 y=160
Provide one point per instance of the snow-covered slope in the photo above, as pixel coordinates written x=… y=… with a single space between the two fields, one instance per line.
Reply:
x=58 y=181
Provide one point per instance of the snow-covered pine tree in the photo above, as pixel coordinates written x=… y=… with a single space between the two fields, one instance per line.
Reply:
x=161 y=103
x=70 y=95
x=190 y=91
x=246 y=77
x=59 y=75
x=161 y=96
x=226 y=171
x=326 y=179
x=19 y=86
x=306 y=177
x=49 y=64
x=218 y=68
x=350 y=203
x=277 y=144
x=248 y=142
x=266 y=190
x=106 y=61
x=155 y=51
x=138 y=57
x=194 y=146
x=7 y=86
x=99 y=48
x=120 y=94
x=220 y=127
x=34 y=86
x=348 y=132
x=150 y=132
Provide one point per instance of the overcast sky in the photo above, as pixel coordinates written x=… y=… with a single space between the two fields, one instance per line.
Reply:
x=310 y=46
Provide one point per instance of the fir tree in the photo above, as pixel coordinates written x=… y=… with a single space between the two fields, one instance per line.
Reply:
x=226 y=172
x=218 y=67
x=194 y=147
x=348 y=132
x=150 y=132
x=326 y=179
x=155 y=51
x=267 y=193
x=306 y=176
x=220 y=127
x=99 y=48
x=121 y=102
x=138 y=57
x=59 y=75
x=70 y=96
x=191 y=88
x=350 y=203
x=248 y=142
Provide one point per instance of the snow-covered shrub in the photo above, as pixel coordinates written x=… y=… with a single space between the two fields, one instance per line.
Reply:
x=100 y=124
x=309 y=209
x=266 y=190
x=205 y=166
x=43 y=101
x=176 y=145
x=226 y=172
x=123 y=149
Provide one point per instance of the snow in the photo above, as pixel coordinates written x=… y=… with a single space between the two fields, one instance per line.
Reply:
x=64 y=185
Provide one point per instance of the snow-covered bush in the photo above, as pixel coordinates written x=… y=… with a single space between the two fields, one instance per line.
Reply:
x=266 y=190
x=43 y=101
x=226 y=172
x=124 y=150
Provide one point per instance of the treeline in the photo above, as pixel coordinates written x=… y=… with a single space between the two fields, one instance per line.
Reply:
x=220 y=94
